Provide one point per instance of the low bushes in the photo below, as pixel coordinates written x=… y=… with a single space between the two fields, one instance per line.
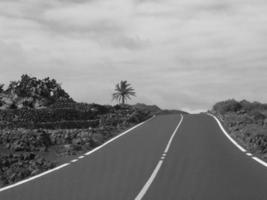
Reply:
x=139 y=116
x=15 y=167
x=84 y=107
x=24 y=149
x=70 y=117
x=246 y=122
x=45 y=115
x=28 y=137
x=40 y=140
x=51 y=125
x=227 y=106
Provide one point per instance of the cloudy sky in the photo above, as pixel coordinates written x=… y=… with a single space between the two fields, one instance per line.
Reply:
x=177 y=54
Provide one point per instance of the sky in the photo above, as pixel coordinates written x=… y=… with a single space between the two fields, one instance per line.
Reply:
x=186 y=54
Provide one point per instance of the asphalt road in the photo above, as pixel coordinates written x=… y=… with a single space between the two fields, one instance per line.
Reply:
x=201 y=164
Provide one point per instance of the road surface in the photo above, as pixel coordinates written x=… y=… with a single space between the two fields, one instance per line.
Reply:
x=200 y=164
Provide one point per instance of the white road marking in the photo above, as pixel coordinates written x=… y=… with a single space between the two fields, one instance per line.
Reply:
x=111 y=140
x=80 y=157
x=150 y=181
x=260 y=161
x=227 y=135
x=34 y=177
x=75 y=160
x=156 y=170
x=66 y=164
x=235 y=143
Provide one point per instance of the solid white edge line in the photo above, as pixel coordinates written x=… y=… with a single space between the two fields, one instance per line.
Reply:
x=227 y=135
x=156 y=170
x=34 y=177
x=234 y=142
x=66 y=164
x=260 y=161
x=111 y=140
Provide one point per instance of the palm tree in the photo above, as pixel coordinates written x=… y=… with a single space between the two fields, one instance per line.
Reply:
x=123 y=91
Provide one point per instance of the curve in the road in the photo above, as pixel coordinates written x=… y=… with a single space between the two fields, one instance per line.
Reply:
x=236 y=144
x=203 y=165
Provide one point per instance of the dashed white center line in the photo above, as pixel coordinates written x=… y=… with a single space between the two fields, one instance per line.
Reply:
x=156 y=170
x=80 y=157
x=75 y=160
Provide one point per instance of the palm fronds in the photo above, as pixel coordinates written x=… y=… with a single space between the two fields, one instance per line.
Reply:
x=123 y=91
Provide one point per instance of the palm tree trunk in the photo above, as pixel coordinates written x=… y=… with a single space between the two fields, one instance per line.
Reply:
x=123 y=100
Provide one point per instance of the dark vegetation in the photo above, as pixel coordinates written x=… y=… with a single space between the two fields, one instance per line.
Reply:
x=246 y=122
x=30 y=92
x=41 y=126
x=156 y=110
x=26 y=152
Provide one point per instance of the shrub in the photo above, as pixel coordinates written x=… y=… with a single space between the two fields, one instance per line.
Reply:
x=67 y=124
x=248 y=106
x=51 y=125
x=85 y=107
x=139 y=116
x=45 y=115
x=227 y=106
x=257 y=115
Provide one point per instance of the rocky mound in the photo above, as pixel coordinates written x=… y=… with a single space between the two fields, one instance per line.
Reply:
x=30 y=92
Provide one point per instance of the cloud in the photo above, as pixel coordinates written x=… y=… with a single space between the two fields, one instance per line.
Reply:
x=187 y=54
x=103 y=22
